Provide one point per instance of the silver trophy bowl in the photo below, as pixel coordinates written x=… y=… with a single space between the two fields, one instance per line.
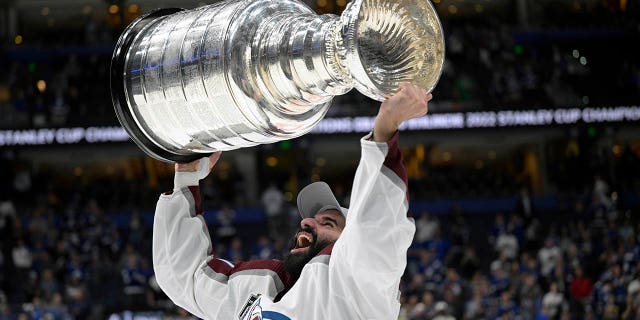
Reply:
x=186 y=83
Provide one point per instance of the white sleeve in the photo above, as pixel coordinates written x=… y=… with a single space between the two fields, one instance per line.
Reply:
x=181 y=250
x=189 y=273
x=370 y=256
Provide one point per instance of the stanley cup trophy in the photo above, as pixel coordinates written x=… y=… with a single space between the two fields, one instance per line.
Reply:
x=186 y=83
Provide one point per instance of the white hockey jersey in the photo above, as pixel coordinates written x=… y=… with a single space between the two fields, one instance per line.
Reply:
x=357 y=277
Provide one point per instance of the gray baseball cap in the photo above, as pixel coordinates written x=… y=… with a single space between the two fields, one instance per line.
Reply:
x=318 y=197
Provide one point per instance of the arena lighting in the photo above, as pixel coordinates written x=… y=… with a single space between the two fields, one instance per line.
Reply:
x=441 y=121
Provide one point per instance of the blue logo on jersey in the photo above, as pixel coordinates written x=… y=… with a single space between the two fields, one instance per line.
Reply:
x=272 y=315
x=256 y=312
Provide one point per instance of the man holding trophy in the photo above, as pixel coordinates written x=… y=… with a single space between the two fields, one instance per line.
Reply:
x=345 y=264
x=187 y=85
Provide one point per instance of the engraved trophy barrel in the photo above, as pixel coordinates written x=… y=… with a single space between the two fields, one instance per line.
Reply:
x=186 y=83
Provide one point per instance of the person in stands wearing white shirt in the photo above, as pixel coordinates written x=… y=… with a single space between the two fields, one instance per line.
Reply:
x=548 y=255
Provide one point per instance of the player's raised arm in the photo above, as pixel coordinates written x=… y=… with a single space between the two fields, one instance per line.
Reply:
x=370 y=256
x=181 y=243
x=409 y=102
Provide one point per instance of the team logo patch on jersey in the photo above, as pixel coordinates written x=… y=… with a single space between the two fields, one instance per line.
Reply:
x=256 y=312
x=252 y=310
x=249 y=307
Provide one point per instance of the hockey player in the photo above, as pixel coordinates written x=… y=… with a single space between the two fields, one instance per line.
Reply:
x=346 y=263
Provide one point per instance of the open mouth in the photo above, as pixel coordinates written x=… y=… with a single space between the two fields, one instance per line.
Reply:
x=303 y=241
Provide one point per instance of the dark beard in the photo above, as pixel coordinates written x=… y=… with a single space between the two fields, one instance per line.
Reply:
x=293 y=263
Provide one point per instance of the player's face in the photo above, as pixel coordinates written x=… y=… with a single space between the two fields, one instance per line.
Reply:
x=324 y=227
x=315 y=234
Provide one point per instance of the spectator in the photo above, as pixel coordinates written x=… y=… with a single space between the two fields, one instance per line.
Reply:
x=226 y=229
x=601 y=192
x=581 y=288
x=428 y=301
x=7 y=213
x=426 y=228
x=420 y=309
x=431 y=268
x=22 y=260
x=632 y=310
x=134 y=278
x=469 y=263
x=441 y=312
x=611 y=310
x=417 y=285
x=553 y=302
x=273 y=204
x=235 y=252
x=75 y=266
x=414 y=309
x=507 y=308
x=525 y=206
x=475 y=307
x=56 y=309
x=515 y=278
x=76 y=297
x=528 y=263
x=263 y=249
x=48 y=284
x=441 y=246
x=547 y=257
x=499 y=280
x=499 y=227
x=529 y=295
x=507 y=245
x=454 y=284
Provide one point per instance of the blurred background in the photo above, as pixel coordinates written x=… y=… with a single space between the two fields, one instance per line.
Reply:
x=524 y=178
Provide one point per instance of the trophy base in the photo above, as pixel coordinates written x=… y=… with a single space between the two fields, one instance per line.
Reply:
x=118 y=94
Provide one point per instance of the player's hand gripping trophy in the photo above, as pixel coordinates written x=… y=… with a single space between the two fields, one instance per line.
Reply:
x=244 y=72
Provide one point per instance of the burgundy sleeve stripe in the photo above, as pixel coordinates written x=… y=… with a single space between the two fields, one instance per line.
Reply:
x=195 y=191
x=393 y=161
x=276 y=266
x=220 y=266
